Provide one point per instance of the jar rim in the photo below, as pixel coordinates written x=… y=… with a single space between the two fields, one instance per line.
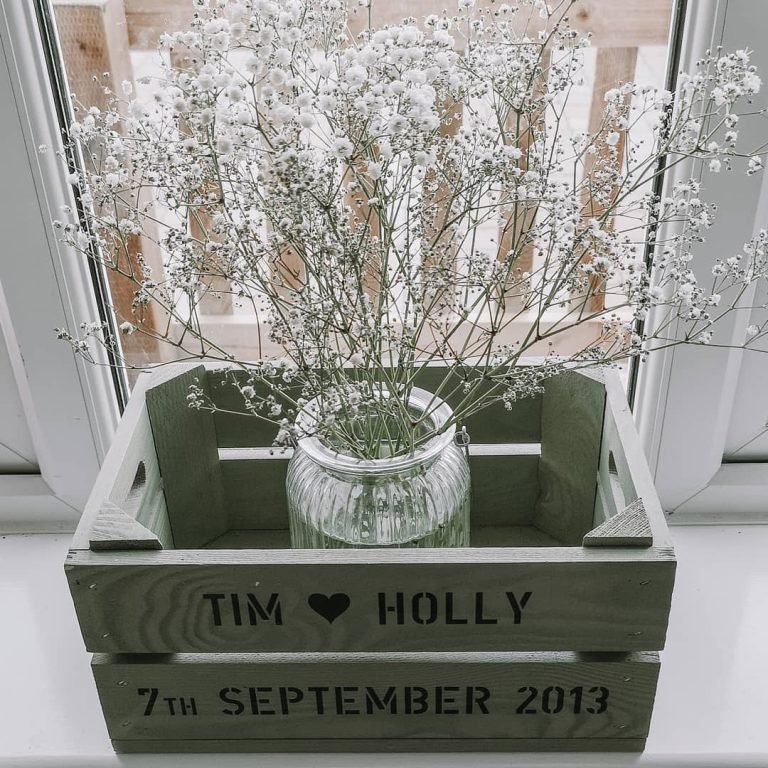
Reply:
x=419 y=399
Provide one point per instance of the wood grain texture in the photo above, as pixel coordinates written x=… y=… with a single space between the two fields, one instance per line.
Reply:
x=631 y=22
x=621 y=439
x=185 y=444
x=315 y=746
x=481 y=536
x=504 y=491
x=131 y=445
x=571 y=425
x=629 y=528
x=613 y=67
x=378 y=696
x=116 y=529
x=93 y=35
x=519 y=424
x=605 y=599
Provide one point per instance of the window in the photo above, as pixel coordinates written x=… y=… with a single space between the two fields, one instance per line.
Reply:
x=70 y=409
x=703 y=412
x=629 y=41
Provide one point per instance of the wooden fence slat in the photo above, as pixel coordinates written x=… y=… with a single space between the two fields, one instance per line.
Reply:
x=614 y=66
x=627 y=23
x=93 y=35
x=214 y=297
x=516 y=224
x=438 y=250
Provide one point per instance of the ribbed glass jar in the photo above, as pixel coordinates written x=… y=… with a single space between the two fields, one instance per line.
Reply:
x=422 y=499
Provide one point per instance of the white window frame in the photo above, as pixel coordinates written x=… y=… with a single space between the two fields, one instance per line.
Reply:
x=71 y=407
x=685 y=395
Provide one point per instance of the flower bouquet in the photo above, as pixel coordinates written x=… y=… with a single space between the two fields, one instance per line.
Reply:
x=342 y=186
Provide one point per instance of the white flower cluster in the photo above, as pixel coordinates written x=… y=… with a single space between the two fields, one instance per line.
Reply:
x=339 y=183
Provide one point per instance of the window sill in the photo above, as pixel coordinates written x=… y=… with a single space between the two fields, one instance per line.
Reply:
x=710 y=708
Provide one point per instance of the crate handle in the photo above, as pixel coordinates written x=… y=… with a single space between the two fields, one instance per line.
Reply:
x=116 y=526
x=136 y=492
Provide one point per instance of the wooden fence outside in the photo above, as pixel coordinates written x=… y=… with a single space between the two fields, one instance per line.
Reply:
x=97 y=36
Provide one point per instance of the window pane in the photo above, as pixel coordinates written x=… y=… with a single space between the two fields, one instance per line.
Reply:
x=114 y=42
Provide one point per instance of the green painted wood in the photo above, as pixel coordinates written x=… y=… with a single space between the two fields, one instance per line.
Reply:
x=185 y=444
x=378 y=696
x=254 y=492
x=510 y=536
x=504 y=490
x=629 y=528
x=571 y=426
x=496 y=424
x=235 y=427
x=148 y=602
x=521 y=423
x=115 y=529
x=315 y=746
x=131 y=446
x=634 y=475
x=481 y=536
x=604 y=599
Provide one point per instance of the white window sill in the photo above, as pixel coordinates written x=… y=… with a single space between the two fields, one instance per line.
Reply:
x=710 y=710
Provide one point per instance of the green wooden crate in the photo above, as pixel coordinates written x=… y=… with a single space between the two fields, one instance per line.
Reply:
x=183 y=549
x=378 y=702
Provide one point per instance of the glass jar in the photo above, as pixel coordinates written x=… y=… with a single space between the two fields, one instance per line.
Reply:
x=419 y=500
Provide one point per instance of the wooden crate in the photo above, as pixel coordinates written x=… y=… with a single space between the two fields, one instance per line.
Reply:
x=183 y=550
x=184 y=544
x=380 y=702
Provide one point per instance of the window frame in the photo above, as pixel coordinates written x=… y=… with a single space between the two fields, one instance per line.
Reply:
x=71 y=407
x=685 y=395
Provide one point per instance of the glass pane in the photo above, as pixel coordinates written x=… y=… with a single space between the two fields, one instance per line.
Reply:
x=114 y=43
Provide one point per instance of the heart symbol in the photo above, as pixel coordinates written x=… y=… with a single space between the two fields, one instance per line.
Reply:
x=330 y=607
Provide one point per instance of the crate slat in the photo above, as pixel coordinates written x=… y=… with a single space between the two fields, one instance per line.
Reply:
x=506 y=614
x=132 y=445
x=629 y=528
x=504 y=490
x=521 y=423
x=314 y=746
x=571 y=423
x=114 y=528
x=185 y=444
x=607 y=599
x=379 y=697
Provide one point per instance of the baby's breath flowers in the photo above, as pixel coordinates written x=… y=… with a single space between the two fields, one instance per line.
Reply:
x=340 y=185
